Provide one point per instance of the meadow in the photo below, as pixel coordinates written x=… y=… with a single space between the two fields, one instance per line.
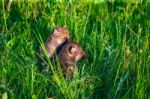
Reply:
x=116 y=36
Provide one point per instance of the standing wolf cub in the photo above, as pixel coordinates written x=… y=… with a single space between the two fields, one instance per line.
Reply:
x=69 y=55
x=58 y=36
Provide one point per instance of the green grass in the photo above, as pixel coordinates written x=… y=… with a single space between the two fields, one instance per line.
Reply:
x=116 y=36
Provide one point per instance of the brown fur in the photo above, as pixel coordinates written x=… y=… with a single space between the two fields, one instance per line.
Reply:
x=56 y=39
x=69 y=55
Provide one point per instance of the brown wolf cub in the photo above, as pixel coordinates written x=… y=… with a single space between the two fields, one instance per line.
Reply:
x=69 y=55
x=58 y=36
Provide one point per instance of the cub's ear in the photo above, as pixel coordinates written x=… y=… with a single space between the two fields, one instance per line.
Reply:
x=55 y=32
x=72 y=49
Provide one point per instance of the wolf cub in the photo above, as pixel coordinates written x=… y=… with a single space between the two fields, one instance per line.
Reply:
x=69 y=55
x=58 y=36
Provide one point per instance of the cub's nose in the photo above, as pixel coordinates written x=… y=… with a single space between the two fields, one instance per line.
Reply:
x=68 y=39
x=84 y=55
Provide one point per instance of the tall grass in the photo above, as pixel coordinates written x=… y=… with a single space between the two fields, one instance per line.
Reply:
x=116 y=36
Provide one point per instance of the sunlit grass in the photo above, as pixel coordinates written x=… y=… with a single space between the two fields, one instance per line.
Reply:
x=115 y=36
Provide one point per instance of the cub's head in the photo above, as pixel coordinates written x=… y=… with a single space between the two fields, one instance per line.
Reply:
x=75 y=52
x=60 y=35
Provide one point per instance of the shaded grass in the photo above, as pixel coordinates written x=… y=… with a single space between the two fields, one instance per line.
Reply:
x=115 y=36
